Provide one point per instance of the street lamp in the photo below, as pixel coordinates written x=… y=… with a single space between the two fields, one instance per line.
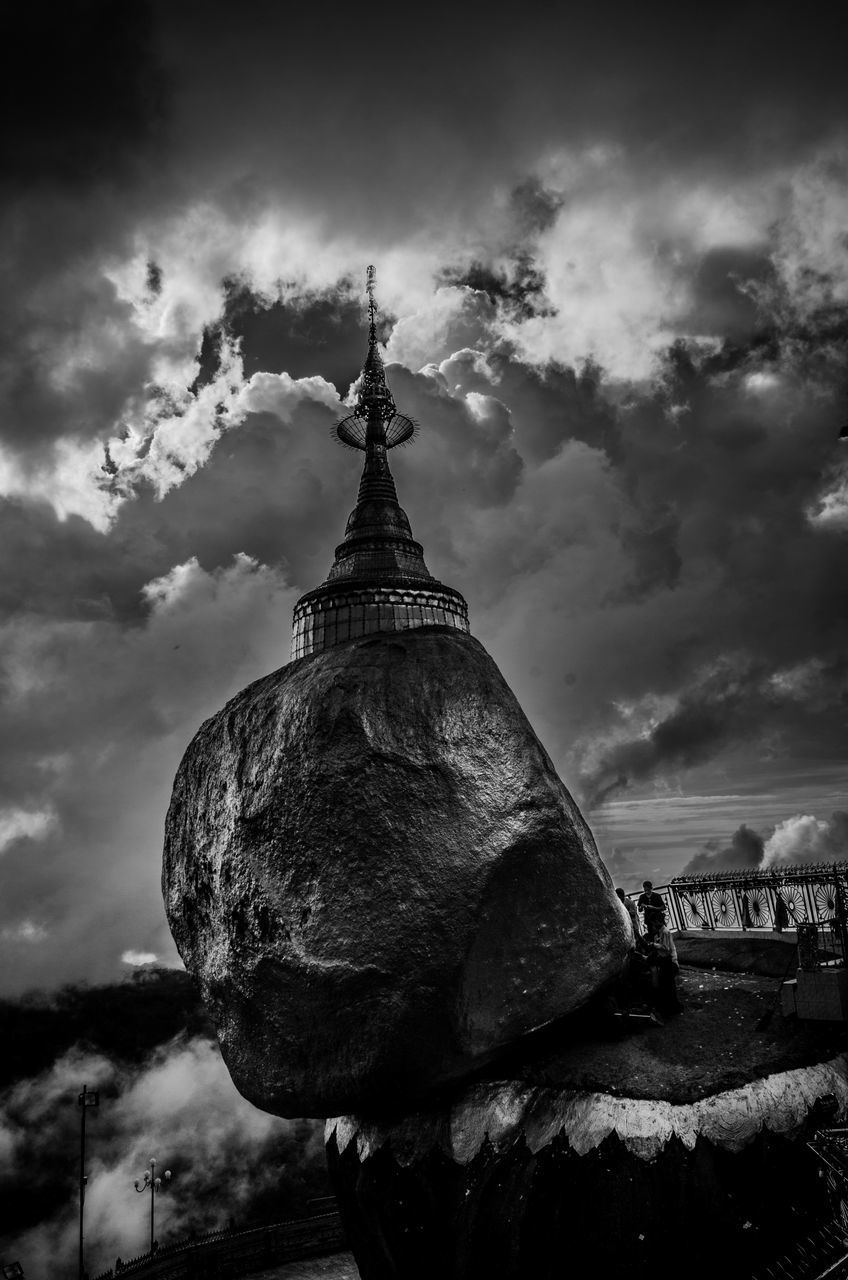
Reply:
x=87 y=1099
x=154 y=1184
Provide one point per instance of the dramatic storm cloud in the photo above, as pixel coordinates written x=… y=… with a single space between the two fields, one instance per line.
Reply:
x=614 y=292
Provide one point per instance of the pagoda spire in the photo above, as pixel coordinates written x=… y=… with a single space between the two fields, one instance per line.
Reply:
x=375 y=407
x=378 y=580
x=370 y=285
x=375 y=419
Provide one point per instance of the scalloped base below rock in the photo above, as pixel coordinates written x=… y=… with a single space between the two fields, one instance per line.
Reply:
x=518 y=1183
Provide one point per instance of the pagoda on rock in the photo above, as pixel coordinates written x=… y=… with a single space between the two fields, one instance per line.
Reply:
x=379 y=581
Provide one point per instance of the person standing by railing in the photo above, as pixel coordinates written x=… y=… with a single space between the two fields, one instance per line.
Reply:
x=651 y=905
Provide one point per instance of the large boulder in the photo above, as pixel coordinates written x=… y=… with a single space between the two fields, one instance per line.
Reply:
x=378 y=878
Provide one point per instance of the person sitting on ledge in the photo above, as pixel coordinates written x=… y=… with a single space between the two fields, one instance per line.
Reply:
x=662 y=962
x=630 y=906
x=650 y=904
x=627 y=1005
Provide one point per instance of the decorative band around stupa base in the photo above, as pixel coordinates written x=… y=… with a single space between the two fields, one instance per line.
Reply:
x=325 y=618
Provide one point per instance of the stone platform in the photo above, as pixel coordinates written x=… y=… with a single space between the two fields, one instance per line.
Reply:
x=738 y=950
x=714 y=1045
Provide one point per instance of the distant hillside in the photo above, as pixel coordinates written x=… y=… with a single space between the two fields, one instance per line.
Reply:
x=126 y=1020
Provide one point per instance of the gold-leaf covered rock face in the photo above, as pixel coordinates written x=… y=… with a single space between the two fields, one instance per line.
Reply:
x=379 y=880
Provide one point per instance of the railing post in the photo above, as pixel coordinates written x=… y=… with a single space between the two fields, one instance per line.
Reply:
x=676 y=911
x=709 y=914
x=737 y=904
x=840 y=914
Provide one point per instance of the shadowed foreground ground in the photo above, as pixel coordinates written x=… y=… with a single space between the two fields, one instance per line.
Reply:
x=339 y=1266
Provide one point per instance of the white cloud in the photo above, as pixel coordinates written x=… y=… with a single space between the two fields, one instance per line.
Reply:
x=805 y=838
x=69 y=477
x=26 y=931
x=810 y=250
x=831 y=510
x=17 y=823
x=762 y=381
x=280 y=394
x=139 y=957
x=614 y=298
x=450 y=319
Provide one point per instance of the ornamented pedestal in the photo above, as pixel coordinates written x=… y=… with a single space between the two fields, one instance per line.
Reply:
x=508 y=1182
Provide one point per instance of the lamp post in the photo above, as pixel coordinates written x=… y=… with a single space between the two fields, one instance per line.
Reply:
x=87 y=1099
x=154 y=1184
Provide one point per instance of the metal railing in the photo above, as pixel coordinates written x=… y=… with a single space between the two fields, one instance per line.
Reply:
x=762 y=900
x=229 y=1253
x=823 y=1254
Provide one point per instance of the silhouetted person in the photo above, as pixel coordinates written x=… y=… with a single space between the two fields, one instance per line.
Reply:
x=781 y=914
x=630 y=907
x=662 y=962
x=650 y=904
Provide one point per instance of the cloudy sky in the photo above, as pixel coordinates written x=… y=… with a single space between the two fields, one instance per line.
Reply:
x=611 y=252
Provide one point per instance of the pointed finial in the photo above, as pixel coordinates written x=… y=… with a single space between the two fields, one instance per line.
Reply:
x=374 y=404
x=370 y=283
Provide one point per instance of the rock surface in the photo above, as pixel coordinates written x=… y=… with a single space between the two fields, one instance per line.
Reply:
x=379 y=880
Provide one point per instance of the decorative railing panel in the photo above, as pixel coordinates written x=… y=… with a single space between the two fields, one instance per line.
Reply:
x=761 y=898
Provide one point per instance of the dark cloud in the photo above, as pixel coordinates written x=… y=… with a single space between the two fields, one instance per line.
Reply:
x=275 y=494
x=732 y=705
x=84 y=88
x=725 y=290
x=84 y=105
x=621 y=868
x=744 y=850
x=803 y=838
x=320 y=334
x=303 y=336
x=41 y=401
x=518 y=288
x=759 y=76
